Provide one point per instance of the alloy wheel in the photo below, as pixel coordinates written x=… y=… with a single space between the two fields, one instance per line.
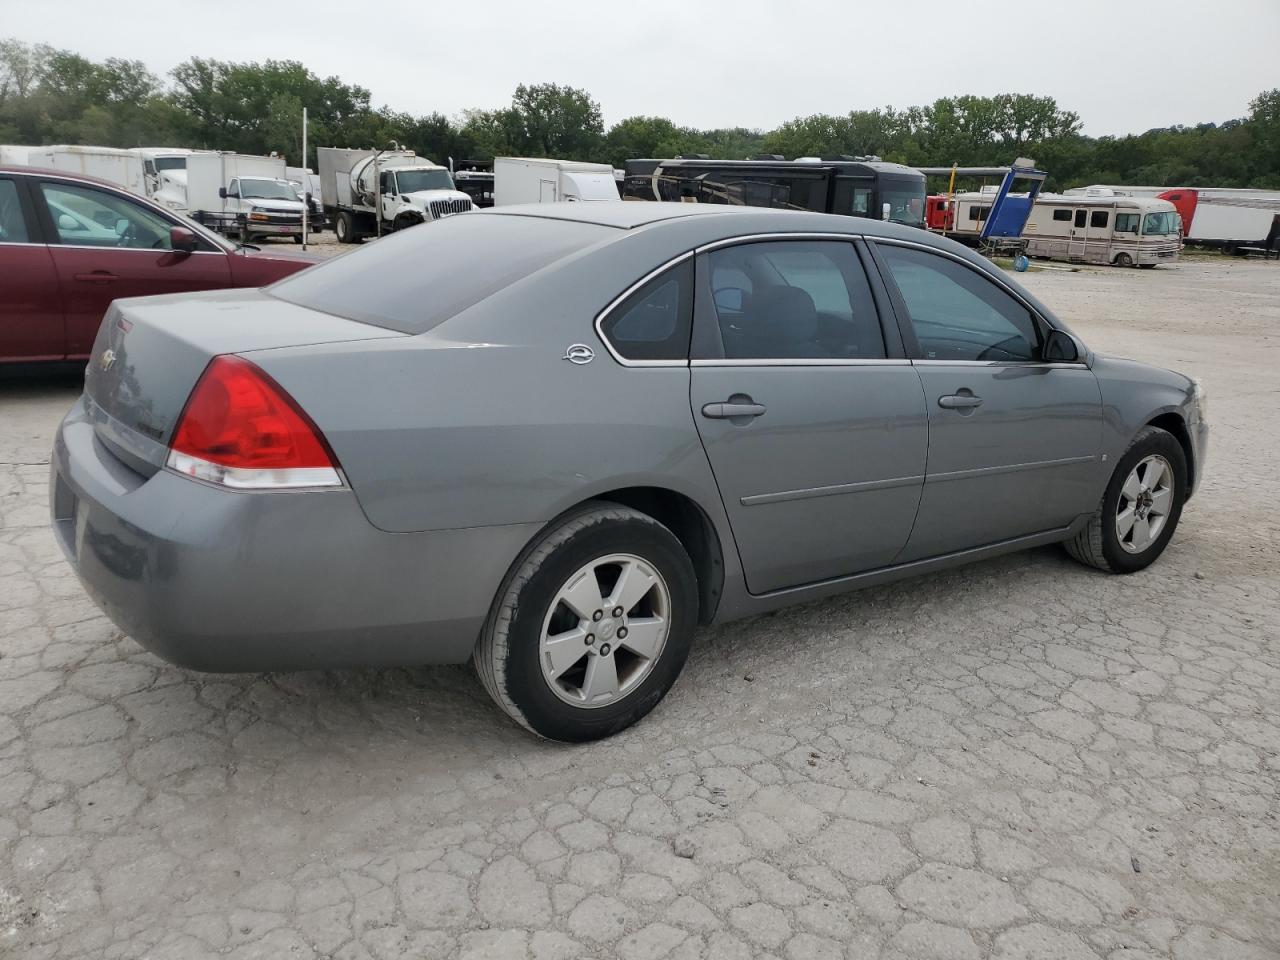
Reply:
x=1145 y=502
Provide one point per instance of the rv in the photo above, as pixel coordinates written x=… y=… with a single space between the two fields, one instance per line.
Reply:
x=1123 y=231
x=857 y=187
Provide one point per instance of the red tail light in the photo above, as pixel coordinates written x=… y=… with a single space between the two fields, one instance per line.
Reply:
x=240 y=429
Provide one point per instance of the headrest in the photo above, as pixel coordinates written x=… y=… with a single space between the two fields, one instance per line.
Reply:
x=782 y=314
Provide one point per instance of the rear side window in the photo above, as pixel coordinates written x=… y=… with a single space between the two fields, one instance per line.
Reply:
x=654 y=322
x=13 y=227
x=414 y=280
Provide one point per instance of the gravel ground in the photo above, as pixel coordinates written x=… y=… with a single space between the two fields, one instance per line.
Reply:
x=1021 y=759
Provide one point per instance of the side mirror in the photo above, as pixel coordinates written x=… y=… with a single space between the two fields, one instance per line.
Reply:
x=1061 y=347
x=885 y=210
x=222 y=193
x=182 y=240
x=122 y=227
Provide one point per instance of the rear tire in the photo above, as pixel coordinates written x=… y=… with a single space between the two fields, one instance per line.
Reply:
x=553 y=655
x=1140 y=508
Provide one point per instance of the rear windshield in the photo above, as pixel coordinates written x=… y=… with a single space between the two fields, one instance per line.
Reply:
x=416 y=279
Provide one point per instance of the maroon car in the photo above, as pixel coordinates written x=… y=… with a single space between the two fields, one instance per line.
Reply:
x=70 y=244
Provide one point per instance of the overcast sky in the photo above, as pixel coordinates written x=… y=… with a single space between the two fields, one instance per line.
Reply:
x=1124 y=65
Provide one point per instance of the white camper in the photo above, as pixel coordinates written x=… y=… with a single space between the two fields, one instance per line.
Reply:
x=1124 y=231
x=121 y=167
x=243 y=195
x=538 y=180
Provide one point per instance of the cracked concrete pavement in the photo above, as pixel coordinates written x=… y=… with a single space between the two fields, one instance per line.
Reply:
x=1021 y=759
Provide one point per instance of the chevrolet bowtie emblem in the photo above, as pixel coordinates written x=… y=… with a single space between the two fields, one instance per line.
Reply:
x=107 y=359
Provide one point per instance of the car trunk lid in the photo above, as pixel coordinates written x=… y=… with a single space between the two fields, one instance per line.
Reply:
x=150 y=352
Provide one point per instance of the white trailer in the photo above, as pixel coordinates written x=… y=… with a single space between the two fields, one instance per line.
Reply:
x=539 y=180
x=369 y=192
x=15 y=155
x=121 y=167
x=243 y=195
x=1230 y=218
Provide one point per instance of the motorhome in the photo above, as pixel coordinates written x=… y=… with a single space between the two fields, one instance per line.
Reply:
x=544 y=180
x=1122 y=231
x=857 y=187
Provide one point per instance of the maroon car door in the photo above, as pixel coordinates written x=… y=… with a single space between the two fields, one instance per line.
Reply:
x=107 y=246
x=31 y=325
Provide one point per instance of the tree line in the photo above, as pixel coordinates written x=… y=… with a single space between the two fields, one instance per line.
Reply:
x=56 y=96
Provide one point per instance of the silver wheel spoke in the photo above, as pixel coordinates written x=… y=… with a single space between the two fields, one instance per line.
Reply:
x=633 y=583
x=1154 y=473
x=1124 y=522
x=1141 y=532
x=582 y=595
x=601 y=679
x=564 y=650
x=1132 y=487
x=645 y=636
x=1161 y=500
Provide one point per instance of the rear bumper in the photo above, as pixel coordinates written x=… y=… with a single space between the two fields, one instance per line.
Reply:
x=226 y=581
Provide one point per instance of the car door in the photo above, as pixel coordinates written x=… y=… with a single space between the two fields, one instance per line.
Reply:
x=815 y=430
x=106 y=246
x=31 y=325
x=1013 y=440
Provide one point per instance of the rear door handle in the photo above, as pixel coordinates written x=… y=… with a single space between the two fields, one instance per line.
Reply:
x=731 y=409
x=959 y=401
x=97 y=276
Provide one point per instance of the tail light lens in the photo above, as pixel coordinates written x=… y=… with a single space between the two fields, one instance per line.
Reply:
x=241 y=429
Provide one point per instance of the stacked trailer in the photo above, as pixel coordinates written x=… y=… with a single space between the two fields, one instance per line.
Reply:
x=993 y=218
x=1234 y=220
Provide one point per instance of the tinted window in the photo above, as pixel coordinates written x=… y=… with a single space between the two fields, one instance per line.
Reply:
x=416 y=279
x=1080 y=217
x=1098 y=218
x=13 y=228
x=87 y=217
x=1062 y=214
x=653 y=323
x=958 y=314
x=798 y=299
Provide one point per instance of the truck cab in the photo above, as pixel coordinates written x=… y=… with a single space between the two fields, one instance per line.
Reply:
x=264 y=207
x=418 y=194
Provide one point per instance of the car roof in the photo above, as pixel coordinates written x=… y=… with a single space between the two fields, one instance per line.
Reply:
x=623 y=214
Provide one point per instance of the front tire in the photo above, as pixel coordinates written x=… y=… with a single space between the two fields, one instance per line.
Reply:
x=1140 y=508
x=1124 y=260
x=592 y=626
x=345 y=228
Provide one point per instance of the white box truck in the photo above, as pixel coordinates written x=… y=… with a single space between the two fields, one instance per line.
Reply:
x=539 y=180
x=243 y=196
x=121 y=167
x=16 y=155
x=368 y=192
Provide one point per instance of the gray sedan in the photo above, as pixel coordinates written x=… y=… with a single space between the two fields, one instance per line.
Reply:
x=556 y=439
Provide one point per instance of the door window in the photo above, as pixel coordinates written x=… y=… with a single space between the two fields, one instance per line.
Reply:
x=84 y=216
x=958 y=314
x=13 y=226
x=654 y=322
x=798 y=299
x=1080 y=217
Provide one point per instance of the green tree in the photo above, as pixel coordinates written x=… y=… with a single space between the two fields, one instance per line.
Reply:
x=556 y=121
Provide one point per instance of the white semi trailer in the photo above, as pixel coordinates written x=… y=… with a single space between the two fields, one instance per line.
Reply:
x=121 y=167
x=369 y=192
x=542 y=180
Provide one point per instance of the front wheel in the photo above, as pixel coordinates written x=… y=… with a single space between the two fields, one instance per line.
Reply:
x=592 y=625
x=1124 y=260
x=1140 y=508
x=345 y=228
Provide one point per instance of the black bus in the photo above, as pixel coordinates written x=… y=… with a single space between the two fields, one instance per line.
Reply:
x=865 y=187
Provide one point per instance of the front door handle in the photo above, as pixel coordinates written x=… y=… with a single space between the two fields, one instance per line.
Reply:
x=98 y=276
x=959 y=401
x=733 y=408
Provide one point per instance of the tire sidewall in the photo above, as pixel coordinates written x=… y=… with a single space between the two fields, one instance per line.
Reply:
x=546 y=713
x=1161 y=443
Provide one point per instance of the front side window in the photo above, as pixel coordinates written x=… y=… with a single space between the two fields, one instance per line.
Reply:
x=654 y=322
x=87 y=217
x=13 y=226
x=1160 y=223
x=799 y=299
x=958 y=314
x=1126 y=223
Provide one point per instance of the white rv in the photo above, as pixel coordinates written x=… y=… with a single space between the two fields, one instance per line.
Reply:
x=537 y=180
x=1124 y=231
